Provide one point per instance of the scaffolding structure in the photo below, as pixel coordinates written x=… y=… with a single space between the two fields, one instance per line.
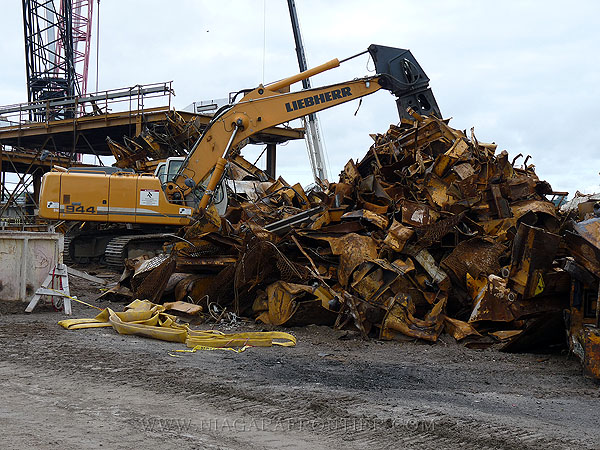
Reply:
x=81 y=35
x=49 y=58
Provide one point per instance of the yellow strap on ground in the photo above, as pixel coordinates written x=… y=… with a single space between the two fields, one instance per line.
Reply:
x=202 y=347
x=101 y=320
x=214 y=338
x=76 y=324
x=75 y=299
x=154 y=327
x=143 y=318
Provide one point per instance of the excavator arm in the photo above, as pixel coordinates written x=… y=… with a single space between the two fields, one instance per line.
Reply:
x=259 y=109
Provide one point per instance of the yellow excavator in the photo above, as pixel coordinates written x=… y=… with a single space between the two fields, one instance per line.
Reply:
x=127 y=197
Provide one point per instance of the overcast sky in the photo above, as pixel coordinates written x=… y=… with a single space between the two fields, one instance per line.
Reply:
x=525 y=74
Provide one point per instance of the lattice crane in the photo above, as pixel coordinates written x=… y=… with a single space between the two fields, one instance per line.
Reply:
x=57 y=47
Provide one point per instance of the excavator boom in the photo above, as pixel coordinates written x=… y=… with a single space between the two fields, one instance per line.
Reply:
x=258 y=110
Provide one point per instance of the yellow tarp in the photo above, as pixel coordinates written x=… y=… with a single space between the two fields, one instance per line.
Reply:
x=143 y=318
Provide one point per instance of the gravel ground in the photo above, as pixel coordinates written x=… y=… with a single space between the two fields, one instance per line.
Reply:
x=96 y=389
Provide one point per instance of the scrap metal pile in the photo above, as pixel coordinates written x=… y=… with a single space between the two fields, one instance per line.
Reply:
x=430 y=231
x=583 y=317
x=156 y=142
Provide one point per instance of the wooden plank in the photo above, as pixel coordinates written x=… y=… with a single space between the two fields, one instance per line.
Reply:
x=85 y=276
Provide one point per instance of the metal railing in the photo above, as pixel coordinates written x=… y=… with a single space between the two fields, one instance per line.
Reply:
x=19 y=221
x=134 y=98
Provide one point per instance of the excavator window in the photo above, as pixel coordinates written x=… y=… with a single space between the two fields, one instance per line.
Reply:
x=173 y=167
x=167 y=171
x=160 y=173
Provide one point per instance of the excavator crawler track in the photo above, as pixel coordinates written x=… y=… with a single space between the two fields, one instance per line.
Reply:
x=118 y=248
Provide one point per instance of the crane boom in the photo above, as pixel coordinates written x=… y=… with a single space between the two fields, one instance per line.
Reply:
x=311 y=121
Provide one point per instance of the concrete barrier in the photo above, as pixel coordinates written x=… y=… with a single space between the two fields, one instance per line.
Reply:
x=26 y=258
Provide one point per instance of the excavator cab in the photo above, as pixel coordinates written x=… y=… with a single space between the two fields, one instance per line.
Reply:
x=168 y=170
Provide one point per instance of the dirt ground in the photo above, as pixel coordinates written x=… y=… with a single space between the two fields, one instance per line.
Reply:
x=96 y=389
